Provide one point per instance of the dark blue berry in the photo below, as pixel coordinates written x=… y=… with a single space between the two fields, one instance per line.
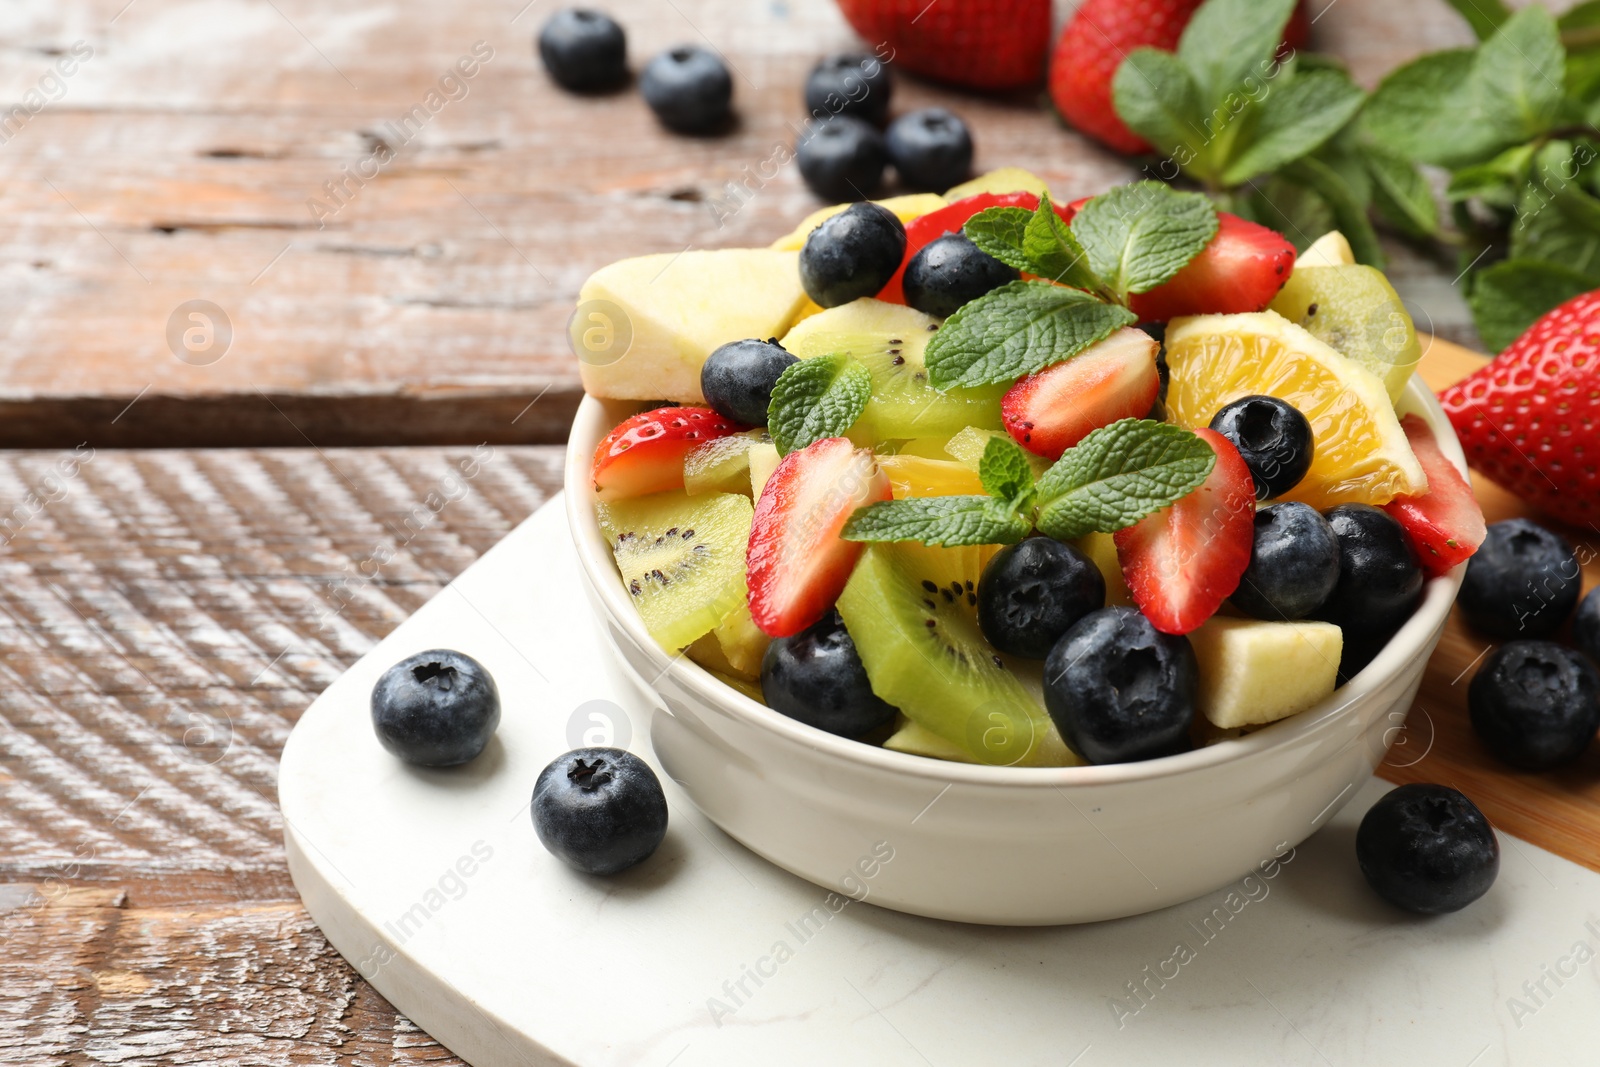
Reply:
x=600 y=810
x=1427 y=848
x=852 y=254
x=855 y=84
x=1522 y=582
x=1120 y=690
x=1031 y=593
x=1380 y=583
x=949 y=271
x=931 y=149
x=1586 y=626
x=437 y=708
x=816 y=677
x=584 y=50
x=689 y=89
x=842 y=158
x=737 y=379
x=1294 y=563
x=1273 y=437
x=1535 y=704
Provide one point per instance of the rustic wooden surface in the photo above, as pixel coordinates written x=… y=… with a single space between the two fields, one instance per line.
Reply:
x=178 y=160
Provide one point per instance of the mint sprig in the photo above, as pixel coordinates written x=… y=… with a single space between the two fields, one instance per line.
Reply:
x=817 y=398
x=1006 y=474
x=1139 y=235
x=1017 y=329
x=1001 y=518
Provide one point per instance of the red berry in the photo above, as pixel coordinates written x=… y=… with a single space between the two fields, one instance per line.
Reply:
x=1097 y=37
x=1241 y=270
x=644 y=454
x=982 y=44
x=1445 y=524
x=1052 y=410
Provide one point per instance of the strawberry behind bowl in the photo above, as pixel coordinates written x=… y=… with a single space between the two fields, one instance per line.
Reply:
x=988 y=45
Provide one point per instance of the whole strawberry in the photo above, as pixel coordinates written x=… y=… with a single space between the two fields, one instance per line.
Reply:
x=1530 y=420
x=990 y=45
x=1098 y=36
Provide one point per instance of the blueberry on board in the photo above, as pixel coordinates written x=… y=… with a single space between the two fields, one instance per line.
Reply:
x=737 y=379
x=1535 y=704
x=584 y=50
x=816 y=676
x=931 y=148
x=600 y=810
x=1522 y=582
x=1032 y=592
x=1380 y=583
x=1120 y=690
x=854 y=83
x=1294 y=564
x=689 y=89
x=1586 y=626
x=852 y=254
x=949 y=271
x=1273 y=437
x=842 y=158
x=1427 y=848
x=436 y=708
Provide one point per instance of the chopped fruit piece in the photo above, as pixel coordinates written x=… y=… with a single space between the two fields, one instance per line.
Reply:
x=967 y=449
x=1332 y=249
x=764 y=459
x=917 y=740
x=905 y=209
x=1241 y=270
x=1052 y=410
x=645 y=454
x=1183 y=561
x=1362 y=455
x=721 y=465
x=1445 y=524
x=1274 y=439
x=930 y=148
x=1101 y=548
x=1254 y=672
x=949 y=219
x=1357 y=311
x=668 y=312
x=988 y=45
x=1004 y=180
x=816 y=677
x=889 y=340
x=915 y=476
x=797 y=561
x=707 y=651
x=749 y=688
x=741 y=641
x=681 y=559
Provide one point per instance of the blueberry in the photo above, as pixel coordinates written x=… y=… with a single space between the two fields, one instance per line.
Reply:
x=842 y=158
x=600 y=810
x=437 y=708
x=816 y=677
x=1120 y=690
x=1522 y=582
x=737 y=379
x=1294 y=564
x=584 y=50
x=852 y=254
x=688 y=88
x=1031 y=593
x=1380 y=583
x=1427 y=848
x=1273 y=437
x=948 y=272
x=930 y=148
x=1586 y=626
x=1535 y=704
x=854 y=84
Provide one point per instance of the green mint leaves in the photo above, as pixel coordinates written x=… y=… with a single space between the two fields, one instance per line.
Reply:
x=1111 y=479
x=817 y=398
x=1138 y=236
x=1017 y=329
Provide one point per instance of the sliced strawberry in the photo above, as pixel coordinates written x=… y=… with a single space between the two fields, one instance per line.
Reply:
x=1445 y=524
x=927 y=228
x=797 y=563
x=644 y=454
x=1049 y=412
x=1183 y=561
x=1241 y=270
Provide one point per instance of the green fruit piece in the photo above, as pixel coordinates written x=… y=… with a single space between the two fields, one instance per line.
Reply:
x=910 y=610
x=764 y=459
x=917 y=740
x=889 y=340
x=681 y=559
x=967 y=449
x=721 y=465
x=1356 y=311
x=742 y=642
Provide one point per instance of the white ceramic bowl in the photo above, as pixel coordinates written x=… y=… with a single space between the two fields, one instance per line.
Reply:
x=1003 y=845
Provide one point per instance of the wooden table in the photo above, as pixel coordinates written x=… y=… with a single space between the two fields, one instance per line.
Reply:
x=166 y=614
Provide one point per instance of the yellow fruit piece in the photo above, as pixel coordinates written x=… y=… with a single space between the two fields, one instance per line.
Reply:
x=1361 y=455
x=967 y=448
x=721 y=465
x=1355 y=309
x=1004 y=180
x=764 y=459
x=742 y=642
x=916 y=476
x=1102 y=552
x=917 y=740
x=1329 y=250
x=1254 y=672
x=905 y=209
x=808 y=308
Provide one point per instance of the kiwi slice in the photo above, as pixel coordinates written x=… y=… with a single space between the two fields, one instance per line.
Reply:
x=721 y=465
x=681 y=559
x=911 y=611
x=1355 y=310
x=890 y=341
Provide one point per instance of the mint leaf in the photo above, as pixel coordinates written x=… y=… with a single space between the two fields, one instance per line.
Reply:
x=1400 y=192
x=998 y=232
x=1496 y=181
x=1349 y=213
x=1484 y=16
x=1119 y=474
x=1137 y=236
x=1509 y=296
x=1557 y=221
x=1423 y=111
x=1296 y=119
x=1228 y=41
x=817 y=398
x=1518 y=80
x=1293 y=210
x=1006 y=473
x=1015 y=330
x=1159 y=101
x=1054 y=251
x=938 y=520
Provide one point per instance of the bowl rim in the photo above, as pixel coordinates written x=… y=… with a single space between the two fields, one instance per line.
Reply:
x=595 y=418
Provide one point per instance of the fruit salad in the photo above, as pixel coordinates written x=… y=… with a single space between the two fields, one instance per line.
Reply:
x=989 y=478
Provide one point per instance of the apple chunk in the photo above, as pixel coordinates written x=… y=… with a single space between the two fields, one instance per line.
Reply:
x=1254 y=672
